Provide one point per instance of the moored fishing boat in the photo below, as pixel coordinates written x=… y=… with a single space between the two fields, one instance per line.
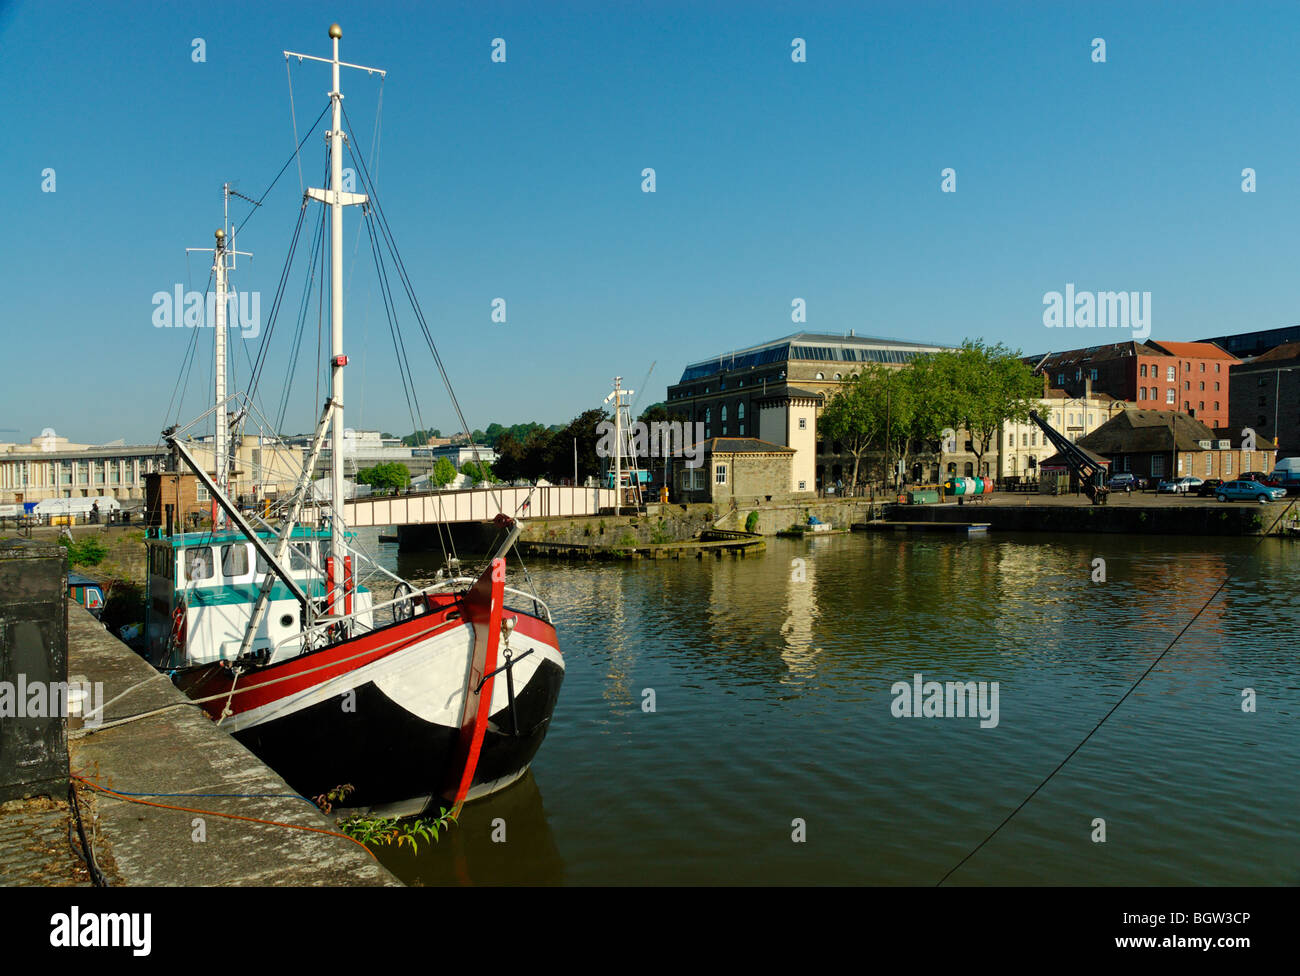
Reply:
x=439 y=694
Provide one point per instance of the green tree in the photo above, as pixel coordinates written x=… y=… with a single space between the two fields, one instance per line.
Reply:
x=443 y=473
x=390 y=476
x=476 y=472
x=855 y=416
x=989 y=387
x=583 y=429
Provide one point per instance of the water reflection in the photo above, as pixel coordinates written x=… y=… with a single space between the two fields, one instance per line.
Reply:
x=773 y=701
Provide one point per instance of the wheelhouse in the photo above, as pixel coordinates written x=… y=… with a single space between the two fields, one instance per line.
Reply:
x=202 y=587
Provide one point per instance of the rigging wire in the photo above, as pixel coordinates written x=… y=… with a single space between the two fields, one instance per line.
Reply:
x=1114 y=708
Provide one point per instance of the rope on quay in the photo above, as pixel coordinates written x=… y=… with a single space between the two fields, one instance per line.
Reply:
x=1114 y=708
x=129 y=798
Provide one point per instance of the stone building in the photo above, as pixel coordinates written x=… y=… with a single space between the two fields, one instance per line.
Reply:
x=1024 y=446
x=739 y=470
x=776 y=391
x=52 y=467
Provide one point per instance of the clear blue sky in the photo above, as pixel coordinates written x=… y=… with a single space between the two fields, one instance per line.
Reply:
x=522 y=180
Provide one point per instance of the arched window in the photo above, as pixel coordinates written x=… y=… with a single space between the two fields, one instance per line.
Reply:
x=837 y=376
x=970 y=469
x=740 y=410
x=723 y=417
x=821 y=376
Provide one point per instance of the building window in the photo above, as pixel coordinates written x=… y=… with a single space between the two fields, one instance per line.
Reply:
x=740 y=410
x=1157 y=465
x=1060 y=379
x=1209 y=464
x=723 y=418
x=742 y=430
x=720 y=474
x=803 y=423
x=1171 y=374
x=803 y=486
x=1142 y=393
x=201 y=494
x=1092 y=374
x=837 y=376
x=1202 y=367
x=1216 y=404
x=1216 y=386
x=1217 y=367
x=1142 y=370
x=1024 y=439
x=1227 y=463
x=1169 y=395
x=821 y=376
x=1202 y=406
x=1202 y=384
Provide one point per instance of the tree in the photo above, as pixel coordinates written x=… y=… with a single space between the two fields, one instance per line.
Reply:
x=855 y=415
x=443 y=473
x=477 y=472
x=990 y=386
x=391 y=476
x=581 y=428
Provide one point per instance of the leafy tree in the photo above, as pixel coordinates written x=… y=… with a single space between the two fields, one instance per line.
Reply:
x=583 y=429
x=390 y=476
x=477 y=472
x=443 y=473
x=989 y=386
x=855 y=416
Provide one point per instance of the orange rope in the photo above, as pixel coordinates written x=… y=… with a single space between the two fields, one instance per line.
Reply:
x=228 y=816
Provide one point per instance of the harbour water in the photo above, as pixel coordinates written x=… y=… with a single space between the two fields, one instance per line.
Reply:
x=771 y=680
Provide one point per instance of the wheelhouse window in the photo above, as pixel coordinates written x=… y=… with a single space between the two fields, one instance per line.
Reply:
x=234 y=560
x=198 y=562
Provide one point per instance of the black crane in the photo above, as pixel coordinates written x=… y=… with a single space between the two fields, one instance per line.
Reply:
x=1091 y=475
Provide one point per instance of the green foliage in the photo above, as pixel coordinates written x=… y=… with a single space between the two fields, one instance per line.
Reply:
x=481 y=471
x=419 y=438
x=443 y=473
x=626 y=539
x=751 y=522
x=373 y=831
x=390 y=476
x=983 y=387
x=660 y=535
x=86 y=551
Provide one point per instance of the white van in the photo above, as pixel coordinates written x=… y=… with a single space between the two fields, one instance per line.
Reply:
x=1287 y=472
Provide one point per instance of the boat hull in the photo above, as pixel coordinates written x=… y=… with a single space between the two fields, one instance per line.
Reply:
x=384 y=712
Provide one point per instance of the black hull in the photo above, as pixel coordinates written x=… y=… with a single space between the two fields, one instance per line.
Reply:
x=394 y=760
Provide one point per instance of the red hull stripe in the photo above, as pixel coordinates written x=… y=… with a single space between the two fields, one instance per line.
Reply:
x=483 y=608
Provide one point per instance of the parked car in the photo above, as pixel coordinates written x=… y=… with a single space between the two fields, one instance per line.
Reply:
x=1248 y=491
x=1124 y=482
x=1209 y=487
x=1260 y=476
x=1179 y=486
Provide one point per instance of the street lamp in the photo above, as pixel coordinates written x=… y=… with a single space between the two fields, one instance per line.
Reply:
x=1277 y=397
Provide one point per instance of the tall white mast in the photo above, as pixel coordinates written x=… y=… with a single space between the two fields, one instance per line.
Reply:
x=222 y=261
x=336 y=199
x=617 y=397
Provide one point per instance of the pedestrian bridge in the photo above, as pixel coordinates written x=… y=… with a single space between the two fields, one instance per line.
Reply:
x=473 y=505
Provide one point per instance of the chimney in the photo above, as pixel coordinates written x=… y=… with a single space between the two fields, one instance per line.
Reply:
x=1047 y=384
x=1087 y=388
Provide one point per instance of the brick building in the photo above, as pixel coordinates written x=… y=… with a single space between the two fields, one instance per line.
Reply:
x=1266 y=397
x=1158 y=444
x=1185 y=377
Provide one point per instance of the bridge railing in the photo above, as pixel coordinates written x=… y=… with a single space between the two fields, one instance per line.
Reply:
x=475 y=505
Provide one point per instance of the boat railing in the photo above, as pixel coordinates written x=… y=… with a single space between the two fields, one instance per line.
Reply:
x=325 y=624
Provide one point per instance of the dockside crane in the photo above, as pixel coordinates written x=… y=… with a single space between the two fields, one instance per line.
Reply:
x=1091 y=475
